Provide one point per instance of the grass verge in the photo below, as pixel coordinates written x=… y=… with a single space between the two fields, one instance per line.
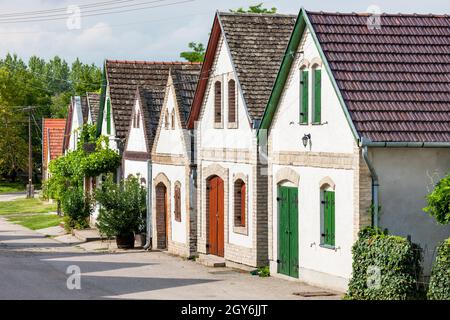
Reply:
x=22 y=206
x=10 y=187
x=36 y=221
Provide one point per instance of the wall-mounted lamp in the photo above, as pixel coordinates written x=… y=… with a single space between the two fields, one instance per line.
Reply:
x=305 y=139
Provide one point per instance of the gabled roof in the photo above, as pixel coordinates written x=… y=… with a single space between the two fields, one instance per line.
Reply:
x=394 y=82
x=93 y=100
x=151 y=102
x=125 y=76
x=52 y=138
x=185 y=83
x=257 y=43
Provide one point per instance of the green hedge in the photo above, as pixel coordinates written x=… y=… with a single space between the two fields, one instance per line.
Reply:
x=439 y=287
x=385 y=267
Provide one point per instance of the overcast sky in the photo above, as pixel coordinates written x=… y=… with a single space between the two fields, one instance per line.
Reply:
x=150 y=33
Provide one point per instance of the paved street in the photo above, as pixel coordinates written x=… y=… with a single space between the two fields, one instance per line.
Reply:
x=33 y=266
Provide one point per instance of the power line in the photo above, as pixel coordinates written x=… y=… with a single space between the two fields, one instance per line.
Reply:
x=98 y=14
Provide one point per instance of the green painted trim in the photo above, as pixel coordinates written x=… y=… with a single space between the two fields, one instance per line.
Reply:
x=272 y=105
x=283 y=73
x=102 y=101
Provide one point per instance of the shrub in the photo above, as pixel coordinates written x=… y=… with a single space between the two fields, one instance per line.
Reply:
x=385 y=267
x=123 y=207
x=439 y=287
x=439 y=201
x=76 y=209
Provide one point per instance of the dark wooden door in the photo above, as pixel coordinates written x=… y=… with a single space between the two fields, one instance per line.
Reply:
x=288 y=231
x=216 y=217
x=161 y=216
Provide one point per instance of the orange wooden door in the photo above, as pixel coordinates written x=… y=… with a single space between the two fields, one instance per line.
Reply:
x=216 y=217
x=161 y=216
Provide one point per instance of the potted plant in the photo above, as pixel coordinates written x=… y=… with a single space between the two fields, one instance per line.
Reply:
x=122 y=208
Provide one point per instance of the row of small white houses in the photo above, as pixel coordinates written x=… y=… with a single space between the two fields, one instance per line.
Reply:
x=276 y=151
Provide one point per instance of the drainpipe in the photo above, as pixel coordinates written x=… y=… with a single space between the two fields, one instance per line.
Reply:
x=149 y=206
x=375 y=185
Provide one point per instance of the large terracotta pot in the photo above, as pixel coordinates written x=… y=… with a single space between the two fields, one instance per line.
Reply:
x=125 y=241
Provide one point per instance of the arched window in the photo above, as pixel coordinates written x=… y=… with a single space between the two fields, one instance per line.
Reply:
x=316 y=94
x=304 y=79
x=240 y=206
x=172 y=120
x=137 y=119
x=327 y=219
x=166 y=119
x=232 y=101
x=177 y=202
x=218 y=102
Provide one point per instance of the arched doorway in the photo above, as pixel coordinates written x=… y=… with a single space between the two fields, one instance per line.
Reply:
x=161 y=216
x=215 y=212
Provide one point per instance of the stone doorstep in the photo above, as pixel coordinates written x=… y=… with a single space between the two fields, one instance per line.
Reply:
x=87 y=235
x=211 y=260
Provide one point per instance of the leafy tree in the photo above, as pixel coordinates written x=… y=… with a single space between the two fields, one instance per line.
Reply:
x=196 y=55
x=439 y=201
x=255 y=9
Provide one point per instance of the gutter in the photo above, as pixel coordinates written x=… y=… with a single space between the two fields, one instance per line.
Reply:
x=148 y=241
x=375 y=186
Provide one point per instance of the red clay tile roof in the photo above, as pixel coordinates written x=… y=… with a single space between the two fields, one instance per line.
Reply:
x=124 y=77
x=396 y=80
x=53 y=136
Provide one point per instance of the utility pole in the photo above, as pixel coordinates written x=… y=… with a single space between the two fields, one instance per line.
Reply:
x=30 y=187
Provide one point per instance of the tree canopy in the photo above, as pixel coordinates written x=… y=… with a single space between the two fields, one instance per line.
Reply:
x=255 y=9
x=196 y=55
x=45 y=85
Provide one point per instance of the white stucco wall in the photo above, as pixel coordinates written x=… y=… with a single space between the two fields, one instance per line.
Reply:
x=406 y=176
x=175 y=173
x=333 y=135
x=135 y=167
x=136 y=137
x=240 y=137
x=170 y=140
x=317 y=265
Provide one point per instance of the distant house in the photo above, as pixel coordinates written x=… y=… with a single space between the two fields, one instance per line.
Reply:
x=358 y=127
x=173 y=178
x=52 y=142
x=120 y=82
x=81 y=110
x=242 y=59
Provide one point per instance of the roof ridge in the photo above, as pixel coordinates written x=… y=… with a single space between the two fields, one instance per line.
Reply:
x=286 y=15
x=153 y=62
x=385 y=14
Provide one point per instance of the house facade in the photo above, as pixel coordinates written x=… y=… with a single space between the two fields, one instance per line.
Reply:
x=174 y=215
x=242 y=58
x=355 y=136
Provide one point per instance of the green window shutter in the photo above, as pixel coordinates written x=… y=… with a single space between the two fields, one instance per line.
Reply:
x=108 y=116
x=304 y=96
x=329 y=220
x=317 y=95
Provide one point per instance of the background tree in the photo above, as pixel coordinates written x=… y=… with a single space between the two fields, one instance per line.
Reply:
x=45 y=85
x=196 y=55
x=255 y=9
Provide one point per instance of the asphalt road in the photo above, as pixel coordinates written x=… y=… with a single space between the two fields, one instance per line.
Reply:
x=33 y=266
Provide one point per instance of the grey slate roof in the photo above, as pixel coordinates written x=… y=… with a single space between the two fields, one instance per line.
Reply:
x=94 y=104
x=125 y=76
x=395 y=80
x=257 y=43
x=185 y=83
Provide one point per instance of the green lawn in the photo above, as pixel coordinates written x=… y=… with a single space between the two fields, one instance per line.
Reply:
x=8 y=187
x=26 y=206
x=36 y=221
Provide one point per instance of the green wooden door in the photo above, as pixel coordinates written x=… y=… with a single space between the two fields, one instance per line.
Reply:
x=288 y=231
